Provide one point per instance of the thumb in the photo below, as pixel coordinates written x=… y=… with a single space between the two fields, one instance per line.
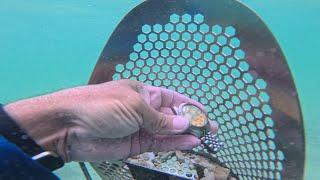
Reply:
x=161 y=123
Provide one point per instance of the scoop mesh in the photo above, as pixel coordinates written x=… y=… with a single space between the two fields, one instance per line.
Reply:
x=207 y=64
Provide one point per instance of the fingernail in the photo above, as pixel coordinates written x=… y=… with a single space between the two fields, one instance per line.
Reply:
x=180 y=123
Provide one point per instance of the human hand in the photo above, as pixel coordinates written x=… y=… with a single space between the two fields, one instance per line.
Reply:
x=109 y=121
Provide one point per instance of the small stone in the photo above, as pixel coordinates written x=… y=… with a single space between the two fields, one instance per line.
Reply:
x=221 y=173
x=148 y=156
x=208 y=174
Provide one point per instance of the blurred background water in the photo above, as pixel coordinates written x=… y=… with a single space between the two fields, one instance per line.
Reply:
x=49 y=45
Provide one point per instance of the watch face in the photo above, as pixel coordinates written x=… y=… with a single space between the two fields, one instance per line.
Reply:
x=196 y=117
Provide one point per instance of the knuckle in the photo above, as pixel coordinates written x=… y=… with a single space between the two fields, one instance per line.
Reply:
x=136 y=100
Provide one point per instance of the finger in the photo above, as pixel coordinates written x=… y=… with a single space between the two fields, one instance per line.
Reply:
x=99 y=149
x=167 y=111
x=171 y=143
x=161 y=123
x=161 y=97
x=214 y=127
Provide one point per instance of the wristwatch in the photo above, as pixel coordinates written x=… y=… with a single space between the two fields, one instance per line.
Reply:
x=199 y=126
x=12 y=132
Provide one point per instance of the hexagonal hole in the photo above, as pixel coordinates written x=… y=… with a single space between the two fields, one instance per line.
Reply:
x=202 y=64
x=186 y=69
x=216 y=29
x=137 y=47
x=150 y=62
x=204 y=28
x=243 y=66
x=133 y=56
x=126 y=74
x=228 y=80
x=196 y=54
x=146 y=29
x=155 y=68
x=235 y=73
x=142 y=77
x=197 y=37
x=136 y=72
x=181 y=76
x=229 y=31
x=175 y=53
x=154 y=53
x=191 y=62
x=170 y=61
x=239 y=54
x=251 y=90
x=163 y=36
x=158 y=45
x=260 y=84
x=209 y=38
x=181 y=61
x=157 y=28
x=207 y=56
x=223 y=69
x=247 y=77
x=175 y=36
x=165 y=68
x=152 y=37
x=190 y=77
x=219 y=59
x=186 y=53
x=186 y=36
x=144 y=54
x=164 y=53
x=140 y=63
x=234 y=42
x=171 y=75
x=243 y=95
x=151 y=76
x=212 y=66
x=254 y=102
x=232 y=90
x=195 y=70
x=217 y=75
x=214 y=49
x=206 y=73
x=169 y=27
x=146 y=69
x=191 y=45
x=142 y=38
x=174 y=18
x=175 y=68
x=266 y=109
x=264 y=97
x=129 y=65
x=221 y=40
x=180 y=27
x=186 y=18
x=119 y=67
x=203 y=47
x=192 y=27
x=148 y=46
x=181 y=45
x=198 y=18
x=270 y=133
x=169 y=44
x=226 y=51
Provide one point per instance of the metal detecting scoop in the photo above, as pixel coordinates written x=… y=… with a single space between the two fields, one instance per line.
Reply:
x=219 y=53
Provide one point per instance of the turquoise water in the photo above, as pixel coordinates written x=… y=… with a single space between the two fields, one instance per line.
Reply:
x=48 y=45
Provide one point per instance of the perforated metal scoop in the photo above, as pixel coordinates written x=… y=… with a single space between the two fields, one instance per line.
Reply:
x=221 y=54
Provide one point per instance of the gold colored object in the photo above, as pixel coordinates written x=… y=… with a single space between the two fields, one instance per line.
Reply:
x=199 y=124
